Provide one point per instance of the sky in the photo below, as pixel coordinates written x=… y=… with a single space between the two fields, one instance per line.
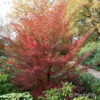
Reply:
x=4 y=10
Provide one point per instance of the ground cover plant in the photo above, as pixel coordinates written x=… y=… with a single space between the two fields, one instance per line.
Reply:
x=90 y=84
x=16 y=96
x=66 y=92
x=43 y=50
x=6 y=83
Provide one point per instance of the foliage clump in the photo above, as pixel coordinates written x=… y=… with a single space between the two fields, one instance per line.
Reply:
x=94 y=59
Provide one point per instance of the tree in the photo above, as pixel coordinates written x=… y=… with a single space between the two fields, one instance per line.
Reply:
x=88 y=16
x=22 y=8
x=43 y=51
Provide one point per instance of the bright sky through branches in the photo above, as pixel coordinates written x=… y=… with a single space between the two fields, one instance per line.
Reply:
x=4 y=9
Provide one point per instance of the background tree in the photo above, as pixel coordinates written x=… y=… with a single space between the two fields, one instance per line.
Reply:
x=87 y=17
x=23 y=7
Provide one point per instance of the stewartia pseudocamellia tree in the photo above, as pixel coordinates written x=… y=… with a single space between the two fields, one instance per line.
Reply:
x=43 y=50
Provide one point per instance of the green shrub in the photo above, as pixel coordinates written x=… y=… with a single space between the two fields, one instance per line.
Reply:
x=97 y=68
x=16 y=96
x=3 y=60
x=90 y=83
x=62 y=94
x=88 y=48
x=87 y=80
x=59 y=94
x=6 y=75
x=94 y=59
x=3 y=64
x=6 y=85
x=67 y=89
x=96 y=87
x=97 y=97
x=3 y=78
x=52 y=94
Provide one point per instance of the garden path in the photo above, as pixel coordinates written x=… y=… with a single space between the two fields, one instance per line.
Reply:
x=95 y=73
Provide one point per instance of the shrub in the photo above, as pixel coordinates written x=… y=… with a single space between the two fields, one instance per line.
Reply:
x=16 y=96
x=43 y=50
x=52 y=94
x=3 y=78
x=83 y=98
x=65 y=92
x=98 y=97
x=90 y=84
x=94 y=59
x=3 y=60
x=88 y=48
x=87 y=80
x=97 y=67
x=6 y=66
x=3 y=63
x=62 y=93
x=6 y=85
x=96 y=87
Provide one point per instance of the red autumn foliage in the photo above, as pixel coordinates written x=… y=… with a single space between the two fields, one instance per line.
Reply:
x=43 y=50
